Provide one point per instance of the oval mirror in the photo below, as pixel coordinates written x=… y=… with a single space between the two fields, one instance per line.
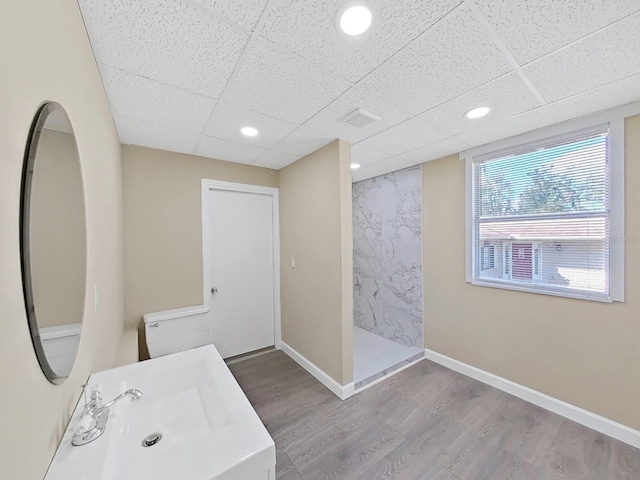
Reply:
x=53 y=241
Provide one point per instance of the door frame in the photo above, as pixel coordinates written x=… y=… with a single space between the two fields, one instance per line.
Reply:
x=207 y=186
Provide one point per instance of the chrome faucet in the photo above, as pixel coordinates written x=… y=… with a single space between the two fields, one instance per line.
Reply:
x=96 y=409
x=95 y=414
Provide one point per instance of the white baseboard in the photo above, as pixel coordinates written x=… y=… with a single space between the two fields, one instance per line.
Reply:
x=579 y=415
x=341 y=391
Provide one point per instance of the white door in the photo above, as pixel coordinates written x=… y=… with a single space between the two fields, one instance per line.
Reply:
x=240 y=271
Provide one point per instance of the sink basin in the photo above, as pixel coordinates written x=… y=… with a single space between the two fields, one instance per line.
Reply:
x=208 y=428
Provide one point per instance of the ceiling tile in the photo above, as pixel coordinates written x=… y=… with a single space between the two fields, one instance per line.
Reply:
x=363 y=156
x=282 y=85
x=309 y=28
x=406 y=136
x=165 y=62
x=304 y=141
x=507 y=96
x=533 y=29
x=276 y=160
x=135 y=132
x=168 y=41
x=451 y=58
x=609 y=55
x=330 y=119
x=140 y=98
x=225 y=150
x=614 y=94
x=434 y=151
x=245 y=13
x=228 y=119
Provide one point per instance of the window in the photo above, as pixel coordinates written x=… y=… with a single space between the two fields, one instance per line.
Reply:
x=487 y=257
x=541 y=216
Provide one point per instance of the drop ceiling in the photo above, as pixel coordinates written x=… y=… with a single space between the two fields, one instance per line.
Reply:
x=186 y=75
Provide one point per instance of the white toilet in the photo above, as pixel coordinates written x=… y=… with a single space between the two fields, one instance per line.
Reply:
x=171 y=331
x=60 y=344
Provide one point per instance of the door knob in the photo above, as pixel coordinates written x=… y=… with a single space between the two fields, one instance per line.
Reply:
x=214 y=290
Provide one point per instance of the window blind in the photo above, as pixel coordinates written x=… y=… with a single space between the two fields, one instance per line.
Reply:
x=541 y=216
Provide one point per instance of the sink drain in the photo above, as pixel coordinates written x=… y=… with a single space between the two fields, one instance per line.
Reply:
x=152 y=439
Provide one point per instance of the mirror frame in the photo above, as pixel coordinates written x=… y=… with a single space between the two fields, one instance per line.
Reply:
x=40 y=118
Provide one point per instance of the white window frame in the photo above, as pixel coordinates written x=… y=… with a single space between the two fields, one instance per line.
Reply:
x=614 y=121
x=536 y=260
x=506 y=260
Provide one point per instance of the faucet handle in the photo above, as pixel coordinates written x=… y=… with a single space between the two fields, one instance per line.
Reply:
x=96 y=395
x=95 y=390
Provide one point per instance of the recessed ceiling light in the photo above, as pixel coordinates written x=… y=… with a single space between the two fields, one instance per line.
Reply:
x=355 y=20
x=477 y=112
x=355 y=166
x=249 y=131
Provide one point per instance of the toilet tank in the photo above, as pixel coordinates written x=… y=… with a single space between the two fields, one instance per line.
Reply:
x=60 y=346
x=171 y=331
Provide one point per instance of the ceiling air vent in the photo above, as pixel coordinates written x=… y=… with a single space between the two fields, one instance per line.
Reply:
x=360 y=118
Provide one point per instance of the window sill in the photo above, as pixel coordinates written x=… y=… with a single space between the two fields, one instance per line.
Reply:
x=595 y=297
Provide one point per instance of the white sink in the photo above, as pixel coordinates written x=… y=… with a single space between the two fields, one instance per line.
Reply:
x=209 y=429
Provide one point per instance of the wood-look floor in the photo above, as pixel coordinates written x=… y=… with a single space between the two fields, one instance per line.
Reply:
x=428 y=423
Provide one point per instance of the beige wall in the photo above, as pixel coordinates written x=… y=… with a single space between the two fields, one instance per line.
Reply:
x=57 y=234
x=45 y=55
x=583 y=352
x=315 y=228
x=163 y=226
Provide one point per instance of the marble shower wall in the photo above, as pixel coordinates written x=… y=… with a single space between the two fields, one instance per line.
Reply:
x=387 y=256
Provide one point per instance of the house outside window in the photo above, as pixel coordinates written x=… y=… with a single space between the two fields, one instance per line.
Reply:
x=488 y=257
x=542 y=215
